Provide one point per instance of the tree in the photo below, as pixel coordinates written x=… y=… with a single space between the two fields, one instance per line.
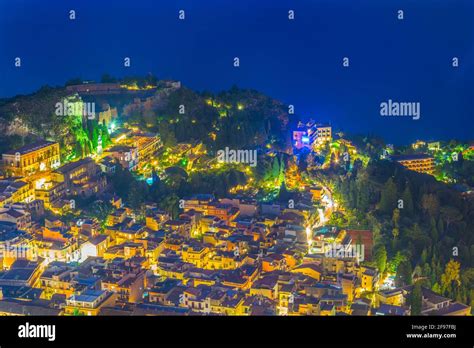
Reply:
x=450 y=215
x=395 y=234
x=395 y=220
x=407 y=201
x=167 y=135
x=396 y=217
x=450 y=279
x=416 y=300
x=403 y=276
x=275 y=168
x=388 y=197
x=100 y=210
x=380 y=258
x=436 y=288
x=136 y=195
x=430 y=204
x=363 y=195
x=170 y=204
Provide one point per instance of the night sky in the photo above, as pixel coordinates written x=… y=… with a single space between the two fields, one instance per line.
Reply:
x=298 y=62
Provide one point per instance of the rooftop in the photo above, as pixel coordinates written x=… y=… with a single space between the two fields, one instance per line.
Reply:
x=31 y=147
x=420 y=156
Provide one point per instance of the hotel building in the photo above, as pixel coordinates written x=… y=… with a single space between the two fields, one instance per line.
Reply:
x=127 y=156
x=311 y=134
x=30 y=159
x=146 y=144
x=421 y=163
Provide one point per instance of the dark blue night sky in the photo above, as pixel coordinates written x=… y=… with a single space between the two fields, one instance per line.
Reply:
x=298 y=62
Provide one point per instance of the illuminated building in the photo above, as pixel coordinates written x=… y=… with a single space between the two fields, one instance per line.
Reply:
x=311 y=134
x=228 y=305
x=434 y=146
x=435 y=304
x=124 y=250
x=50 y=192
x=369 y=278
x=327 y=309
x=15 y=191
x=89 y=302
x=14 y=244
x=273 y=262
x=30 y=159
x=107 y=165
x=365 y=238
x=285 y=297
x=155 y=219
x=197 y=300
x=225 y=212
x=116 y=217
x=181 y=227
x=247 y=207
x=241 y=278
x=129 y=286
x=19 y=217
x=146 y=144
x=95 y=247
x=339 y=264
x=223 y=260
x=316 y=192
x=418 y=144
x=199 y=202
x=107 y=116
x=267 y=286
x=123 y=234
x=81 y=178
x=161 y=290
x=348 y=283
x=57 y=279
x=421 y=163
x=196 y=254
x=127 y=156
x=323 y=134
x=22 y=273
x=309 y=269
x=57 y=244
x=392 y=297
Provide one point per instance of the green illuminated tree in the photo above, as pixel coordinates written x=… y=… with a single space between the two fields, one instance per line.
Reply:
x=380 y=258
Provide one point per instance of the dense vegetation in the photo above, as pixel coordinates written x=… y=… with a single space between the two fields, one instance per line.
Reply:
x=37 y=117
x=423 y=225
x=235 y=118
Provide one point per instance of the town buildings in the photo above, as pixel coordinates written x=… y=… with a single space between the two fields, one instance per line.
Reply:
x=421 y=163
x=228 y=255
